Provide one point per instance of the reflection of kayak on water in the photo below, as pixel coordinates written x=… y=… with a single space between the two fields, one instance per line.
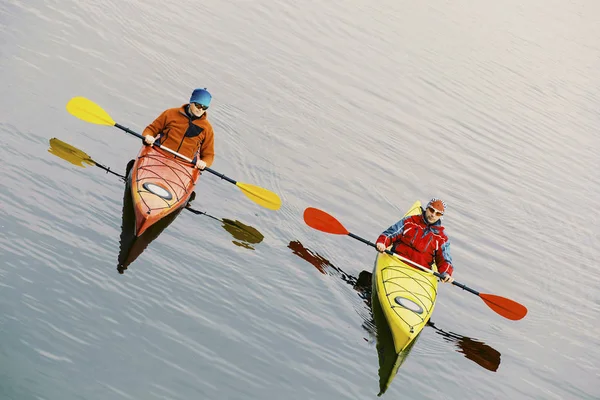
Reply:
x=473 y=349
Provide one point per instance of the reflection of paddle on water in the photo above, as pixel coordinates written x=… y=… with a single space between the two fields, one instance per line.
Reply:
x=245 y=235
x=320 y=263
x=362 y=284
x=479 y=352
x=474 y=350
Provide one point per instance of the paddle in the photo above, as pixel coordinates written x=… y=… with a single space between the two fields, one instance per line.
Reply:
x=324 y=222
x=89 y=111
x=81 y=159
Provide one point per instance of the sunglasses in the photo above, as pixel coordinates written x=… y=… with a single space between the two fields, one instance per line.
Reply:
x=202 y=106
x=434 y=211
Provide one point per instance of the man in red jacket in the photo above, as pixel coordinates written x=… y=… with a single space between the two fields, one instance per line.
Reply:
x=421 y=239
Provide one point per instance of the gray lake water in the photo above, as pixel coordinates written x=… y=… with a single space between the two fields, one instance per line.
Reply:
x=358 y=108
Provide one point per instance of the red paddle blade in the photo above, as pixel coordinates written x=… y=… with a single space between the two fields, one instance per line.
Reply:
x=507 y=308
x=324 y=222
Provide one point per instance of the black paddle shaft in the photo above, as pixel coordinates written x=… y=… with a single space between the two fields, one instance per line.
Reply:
x=212 y=171
x=368 y=243
x=126 y=129
x=107 y=169
x=228 y=179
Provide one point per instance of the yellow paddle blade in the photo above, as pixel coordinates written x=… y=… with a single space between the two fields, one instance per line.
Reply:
x=69 y=153
x=89 y=111
x=260 y=196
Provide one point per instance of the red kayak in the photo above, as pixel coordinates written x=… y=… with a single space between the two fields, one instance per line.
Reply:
x=160 y=185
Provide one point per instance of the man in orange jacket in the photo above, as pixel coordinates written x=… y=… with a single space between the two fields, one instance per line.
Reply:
x=186 y=130
x=421 y=239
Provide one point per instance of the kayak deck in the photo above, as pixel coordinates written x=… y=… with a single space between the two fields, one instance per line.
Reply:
x=160 y=184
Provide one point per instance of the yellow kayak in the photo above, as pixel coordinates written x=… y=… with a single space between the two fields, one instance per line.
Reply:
x=406 y=294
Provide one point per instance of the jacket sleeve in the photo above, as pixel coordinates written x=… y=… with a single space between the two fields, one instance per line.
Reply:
x=443 y=259
x=392 y=233
x=207 y=150
x=157 y=126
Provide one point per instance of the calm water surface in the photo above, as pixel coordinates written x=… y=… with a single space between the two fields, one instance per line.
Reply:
x=357 y=108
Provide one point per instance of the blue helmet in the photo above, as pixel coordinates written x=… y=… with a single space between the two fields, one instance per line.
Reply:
x=201 y=96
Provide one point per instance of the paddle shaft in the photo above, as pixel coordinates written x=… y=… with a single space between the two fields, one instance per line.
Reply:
x=107 y=169
x=197 y=212
x=212 y=171
x=168 y=150
x=368 y=243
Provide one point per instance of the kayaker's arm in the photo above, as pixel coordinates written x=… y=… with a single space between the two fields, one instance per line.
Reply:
x=207 y=149
x=157 y=126
x=443 y=260
x=387 y=237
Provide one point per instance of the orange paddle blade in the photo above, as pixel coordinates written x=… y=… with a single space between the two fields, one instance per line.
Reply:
x=507 y=308
x=324 y=222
